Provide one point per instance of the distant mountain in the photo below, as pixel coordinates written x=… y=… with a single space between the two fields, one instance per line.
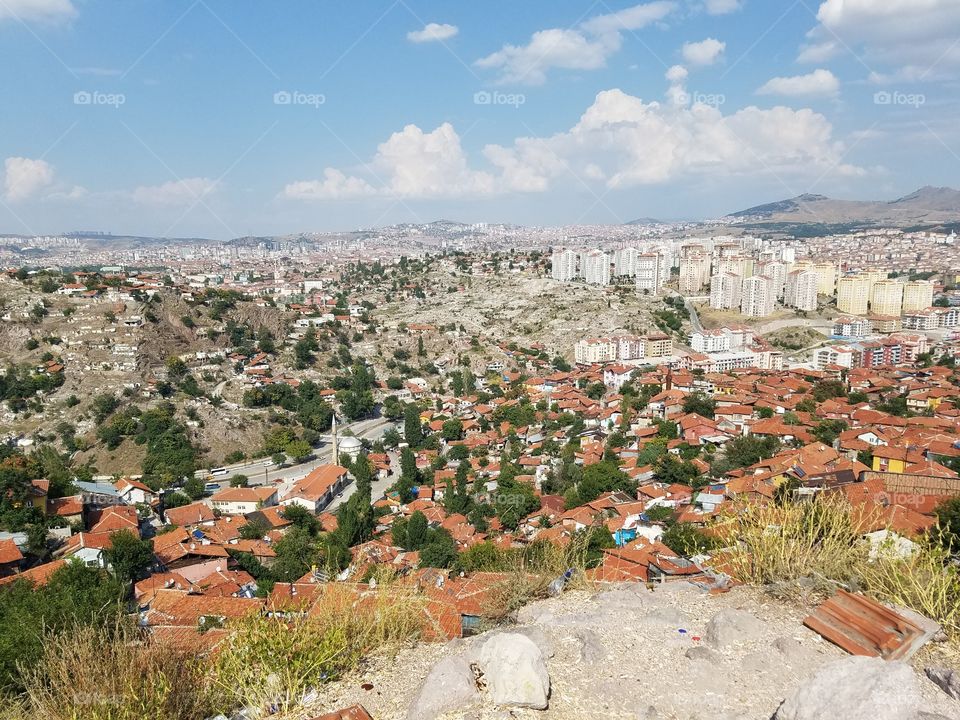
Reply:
x=646 y=221
x=928 y=207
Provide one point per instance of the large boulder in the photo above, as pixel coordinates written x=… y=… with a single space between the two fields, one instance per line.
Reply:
x=450 y=685
x=856 y=688
x=731 y=627
x=515 y=672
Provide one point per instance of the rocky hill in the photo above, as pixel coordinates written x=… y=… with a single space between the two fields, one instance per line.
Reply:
x=675 y=653
x=927 y=207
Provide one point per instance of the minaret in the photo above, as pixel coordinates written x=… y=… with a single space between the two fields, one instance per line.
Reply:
x=335 y=459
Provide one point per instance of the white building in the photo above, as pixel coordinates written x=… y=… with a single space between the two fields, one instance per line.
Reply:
x=694 y=274
x=757 y=298
x=725 y=291
x=625 y=262
x=710 y=341
x=800 y=291
x=652 y=271
x=595 y=267
x=564 y=267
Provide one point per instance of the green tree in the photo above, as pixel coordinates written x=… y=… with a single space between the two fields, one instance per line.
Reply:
x=452 y=430
x=687 y=539
x=416 y=531
x=700 y=403
x=128 y=555
x=412 y=427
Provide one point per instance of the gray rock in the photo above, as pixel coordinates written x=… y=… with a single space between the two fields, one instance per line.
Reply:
x=856 y=688
x=932 y=716
x=630 y=597
x=703 y=653
x=592 y=650
x=729 y=627
x=533 y=632
x=515 y=672
x=450 y=685
x=948 y=680
x=791 y=649
x=668 y=616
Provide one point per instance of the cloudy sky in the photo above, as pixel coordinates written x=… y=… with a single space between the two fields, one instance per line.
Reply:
x=220 y=118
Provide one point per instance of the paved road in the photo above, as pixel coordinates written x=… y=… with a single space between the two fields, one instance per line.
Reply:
x=259 y=473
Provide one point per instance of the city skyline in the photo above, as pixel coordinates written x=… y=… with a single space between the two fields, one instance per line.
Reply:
x=202 y=119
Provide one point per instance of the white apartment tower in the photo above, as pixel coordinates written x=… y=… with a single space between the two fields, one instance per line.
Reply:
x=725 y=291
x=756 y=296
x=625 y=262
x=801 y=290
x=694 y=273
x=595 y=267
x=564 y=266
x=652 y=271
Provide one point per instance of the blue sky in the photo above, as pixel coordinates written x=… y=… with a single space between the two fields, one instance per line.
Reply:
x=217 y=119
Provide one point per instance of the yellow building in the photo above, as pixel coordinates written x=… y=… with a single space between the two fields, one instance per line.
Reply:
x=917 y=295
x=886 y=298
x=853 y=295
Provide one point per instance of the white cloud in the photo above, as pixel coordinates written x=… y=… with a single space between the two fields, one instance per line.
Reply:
x=819 y=82
x=677 y=74
x=584 y=48
x=176 y=192
x=722 y=7
x=43 y=10
x=914 y=34
x=334 y=186
x=819 y=52
x=620 y=141
x=410 y=164
x=24 y=178
x=629 y=19
x=628 y=142
x=433 y=32
x=705 y=52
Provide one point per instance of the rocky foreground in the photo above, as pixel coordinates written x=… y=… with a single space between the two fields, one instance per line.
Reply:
x=628 y=652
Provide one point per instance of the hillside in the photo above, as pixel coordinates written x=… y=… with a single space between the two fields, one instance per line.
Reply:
x=927 y=207
x=672 y=653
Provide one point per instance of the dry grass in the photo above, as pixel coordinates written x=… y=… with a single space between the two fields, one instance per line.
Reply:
x=817 y=546
x=273 y=662
x=113 y=674
x=925 y=581
x=774 y=545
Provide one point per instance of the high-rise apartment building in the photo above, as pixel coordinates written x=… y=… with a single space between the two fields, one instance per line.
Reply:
x=694 y=273
x=756 y=296
x=725 y=291
x=800 y=290
x=886 y=298
x=652 y=271
x=853 y=294
x=564 y=267
x=917 y=295
x=595 y=267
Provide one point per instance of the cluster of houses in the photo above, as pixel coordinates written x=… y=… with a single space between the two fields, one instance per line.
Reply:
x=894 y=469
